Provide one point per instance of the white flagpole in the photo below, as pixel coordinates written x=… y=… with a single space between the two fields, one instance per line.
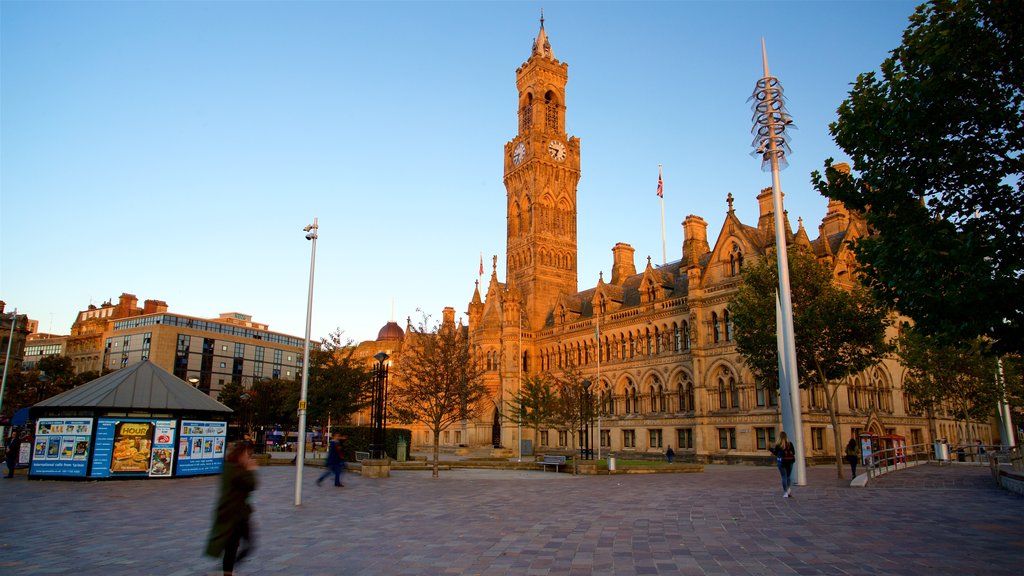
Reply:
x=661 y=184
x=600 y=390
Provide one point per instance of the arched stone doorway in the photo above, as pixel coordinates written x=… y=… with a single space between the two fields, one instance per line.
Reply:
x=496 y=429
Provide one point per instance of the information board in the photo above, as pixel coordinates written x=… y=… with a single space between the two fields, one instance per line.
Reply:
x=133 y=447
x=61 y=447
x=201 y=447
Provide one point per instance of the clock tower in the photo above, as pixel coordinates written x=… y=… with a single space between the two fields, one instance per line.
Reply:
x=542 y=169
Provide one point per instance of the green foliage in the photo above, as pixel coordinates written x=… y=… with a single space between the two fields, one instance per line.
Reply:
x=262 y=402
x=1013 y=384
x=936 y=144
x=338 y=384
x=57 y=368
x=361 y=437
x=533 y=404
x=962 y=377
x=837 y=332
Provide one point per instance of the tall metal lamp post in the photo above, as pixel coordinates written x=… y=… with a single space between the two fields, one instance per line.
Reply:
x=378 y=406
x=311 y=234
x=586 y=446
x=7 y=357
x=770 y=123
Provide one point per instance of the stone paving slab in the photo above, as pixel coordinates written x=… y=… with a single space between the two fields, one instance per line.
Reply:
x=728 y=520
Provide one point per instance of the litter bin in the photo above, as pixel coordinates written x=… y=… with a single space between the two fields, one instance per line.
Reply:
x=941 y=452
x=401 y=449
x=611 y=464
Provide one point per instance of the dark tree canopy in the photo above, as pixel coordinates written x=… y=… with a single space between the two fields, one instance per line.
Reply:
x=959 y=377
x=338 y=383
x=936 y=146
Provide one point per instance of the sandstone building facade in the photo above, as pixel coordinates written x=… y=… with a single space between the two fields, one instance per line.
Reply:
x=657 y=342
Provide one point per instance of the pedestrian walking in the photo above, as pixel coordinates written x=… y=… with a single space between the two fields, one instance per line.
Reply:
x=231 y=522
x=785 y=455
x=670 y=454
x=13 y=451
x=335 y=461
x=853 y=456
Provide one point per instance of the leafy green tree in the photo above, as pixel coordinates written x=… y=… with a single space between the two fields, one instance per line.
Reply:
x=960 y=377
x=338 y=383
x=436 y=381
x=533 y=404
x=261 y=403
x=1013 y=385
x=838 y=332
x=936 y=144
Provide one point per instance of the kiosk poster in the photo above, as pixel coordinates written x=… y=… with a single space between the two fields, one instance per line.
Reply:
x=127 y=446
x=61 y=447
x=162 y=459
x=201 y=447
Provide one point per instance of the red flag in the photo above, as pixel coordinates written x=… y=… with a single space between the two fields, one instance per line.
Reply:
x=661 y=189
x=481 y=263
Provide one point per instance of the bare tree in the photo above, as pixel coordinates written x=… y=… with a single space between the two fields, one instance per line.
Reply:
x=436 y=380
x=568 y=408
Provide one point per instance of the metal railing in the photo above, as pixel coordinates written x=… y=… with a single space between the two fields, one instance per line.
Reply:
x=892 y=459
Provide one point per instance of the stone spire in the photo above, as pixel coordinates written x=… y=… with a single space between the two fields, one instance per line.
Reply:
x=541 y=46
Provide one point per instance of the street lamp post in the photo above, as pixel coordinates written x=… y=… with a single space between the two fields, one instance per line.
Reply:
x=586 y=450
x=378 y=406
x=7 y=360
x=311 y=234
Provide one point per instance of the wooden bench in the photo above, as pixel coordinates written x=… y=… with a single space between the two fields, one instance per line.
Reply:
x=552 y=460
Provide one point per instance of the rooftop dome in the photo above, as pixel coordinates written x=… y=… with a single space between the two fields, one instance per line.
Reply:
x=390 y=331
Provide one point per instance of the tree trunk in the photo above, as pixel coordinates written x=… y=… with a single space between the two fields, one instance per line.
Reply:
x=437 y=451
x=832 y=398
x=837 y=439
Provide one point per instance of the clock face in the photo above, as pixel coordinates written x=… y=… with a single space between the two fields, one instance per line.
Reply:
x=557 y=150
x=519 y=154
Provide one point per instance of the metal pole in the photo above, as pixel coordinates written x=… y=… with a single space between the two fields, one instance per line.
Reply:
x=519 y=414
x=7 y=360
x=791 y=383
x=664 y=257
x=1005 y=418
x=311 y=234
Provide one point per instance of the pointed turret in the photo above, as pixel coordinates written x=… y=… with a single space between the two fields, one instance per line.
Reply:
x=476 y=306
x=541 y=45
x=801 y=238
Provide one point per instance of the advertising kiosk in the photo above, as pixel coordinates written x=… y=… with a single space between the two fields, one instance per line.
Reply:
x=882 y=450
x=138 y=422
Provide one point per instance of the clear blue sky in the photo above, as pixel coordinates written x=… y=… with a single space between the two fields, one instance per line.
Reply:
x=175 y=150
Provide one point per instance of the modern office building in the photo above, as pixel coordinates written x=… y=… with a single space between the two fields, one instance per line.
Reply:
x=208 y=352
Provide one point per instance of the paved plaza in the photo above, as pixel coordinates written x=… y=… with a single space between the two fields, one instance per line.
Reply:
x=927 y=520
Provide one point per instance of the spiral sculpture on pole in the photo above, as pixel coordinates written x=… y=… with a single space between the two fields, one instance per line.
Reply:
x=770 y=120
x=770 y=124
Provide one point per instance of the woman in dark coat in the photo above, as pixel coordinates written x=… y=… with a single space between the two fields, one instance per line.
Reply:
x=13 y=450
x=231 y=519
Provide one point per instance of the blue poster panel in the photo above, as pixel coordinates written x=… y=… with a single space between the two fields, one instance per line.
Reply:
x=133 y=447
x=201 y=447
x=61 y=447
